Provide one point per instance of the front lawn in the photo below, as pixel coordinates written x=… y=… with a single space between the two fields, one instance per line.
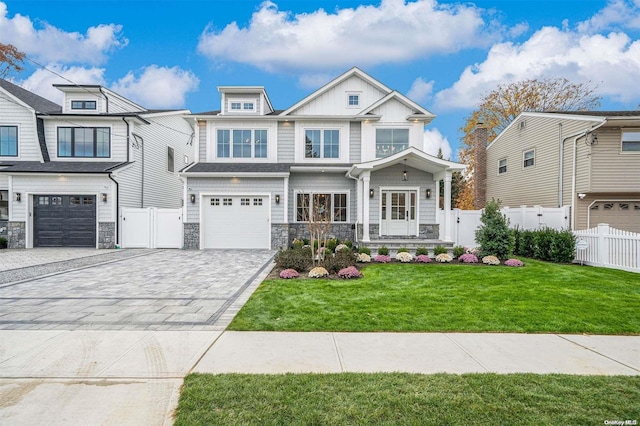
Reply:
x=538 y=298
x=410 y=399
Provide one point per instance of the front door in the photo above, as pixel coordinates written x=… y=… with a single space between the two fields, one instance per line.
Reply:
x=398 y=215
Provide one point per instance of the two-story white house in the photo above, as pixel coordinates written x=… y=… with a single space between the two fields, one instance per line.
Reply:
x=352 y=149
x=67 y=171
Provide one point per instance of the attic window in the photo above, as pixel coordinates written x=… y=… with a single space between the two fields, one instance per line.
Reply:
x=523 y=124
x=83 y=104
x=353 y=100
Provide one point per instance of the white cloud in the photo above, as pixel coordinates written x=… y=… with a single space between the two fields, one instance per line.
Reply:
x=420 y=90
x=158 y=87
x=40 y=82
x=617 y=14
x=434 y=140
x=612 y=61
x=394 y=31
x=49 y=44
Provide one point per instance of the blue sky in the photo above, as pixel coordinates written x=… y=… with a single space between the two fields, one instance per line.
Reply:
x=444 y=55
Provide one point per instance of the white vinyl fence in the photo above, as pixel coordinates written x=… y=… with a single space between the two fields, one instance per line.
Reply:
x=608 y=247
x=151 y=228
x=466 y=222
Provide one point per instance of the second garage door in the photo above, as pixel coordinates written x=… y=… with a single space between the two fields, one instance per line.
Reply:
x=623 y=215
x=64 y=221
x=240 y=222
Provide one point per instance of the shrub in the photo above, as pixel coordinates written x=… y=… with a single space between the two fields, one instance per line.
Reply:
x=318 y=272
x=364 y=250
x=422 y=251
x=3 y=243
x=525 y=243
x=490 y=260
x=494 y=236
x=444 y=258
x=297 y=244
x=404 y=257
x=513 y=262
x=423 y=258
x=349 y=273
x=458 y=251
x=364 y=258
x=383 y=251
x=439 y=250
x=553 y=245
x=468 y=258
x=332 y=243
x=289 y=273
x=338 y=261
x=382 y=258
x=348 y=243
x=403 y=250
x=297 y=258
x=341 y=247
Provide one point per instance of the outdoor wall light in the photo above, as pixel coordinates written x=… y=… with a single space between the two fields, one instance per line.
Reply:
x=582 y=195
x=277 y=198
x=371 y=193
x=192 y=197
x=404 y=172
x=18 y=196
x=428 y=192
x=104 y=197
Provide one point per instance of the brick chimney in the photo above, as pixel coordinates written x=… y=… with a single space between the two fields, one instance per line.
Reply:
x=480 y=136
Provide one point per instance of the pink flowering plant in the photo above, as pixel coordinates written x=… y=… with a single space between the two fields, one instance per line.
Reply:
x=382 y=258
x=468 y=258
x=289 y=273
x=349 y=273
x=513 y=262
x=423 y=258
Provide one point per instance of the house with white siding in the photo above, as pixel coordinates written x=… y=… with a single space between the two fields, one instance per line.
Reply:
x=588 y=160
x=67 y=171
x=351 y=150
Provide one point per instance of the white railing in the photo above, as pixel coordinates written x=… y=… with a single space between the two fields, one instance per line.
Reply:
x=608 y=247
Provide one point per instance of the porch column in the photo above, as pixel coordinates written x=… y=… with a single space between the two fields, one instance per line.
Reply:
x=365 y=206
x=285 y=199
x=437 y=197
x=447 y=205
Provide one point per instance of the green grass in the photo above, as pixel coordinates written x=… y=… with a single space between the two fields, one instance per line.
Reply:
x=539 y=298
x=407 y=399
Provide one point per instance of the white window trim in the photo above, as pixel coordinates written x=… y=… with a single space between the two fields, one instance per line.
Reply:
x=622 y=132
x=389 y=127
x=212 y=142
x=359 y=95
x=300 y=132
x=322 y=130
x=505 y=165
x=534 y=158
x=93 y=124
x=18 y=135
x=242 y=103
x=311 y=193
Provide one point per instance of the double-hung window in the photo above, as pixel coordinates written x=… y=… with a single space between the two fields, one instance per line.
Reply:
x=8 y=141
x=529 y=158
x=84 y=142
x=322 y=143
x=631 y=140
x=502 y=166
x=242 y=143
x=321 y=207
x=391 y=141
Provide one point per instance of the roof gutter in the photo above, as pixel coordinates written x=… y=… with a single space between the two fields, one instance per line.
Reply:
x=117 y=209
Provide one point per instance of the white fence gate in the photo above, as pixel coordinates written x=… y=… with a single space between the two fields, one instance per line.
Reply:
x=609 y=247
x=151 y=228
x=466 y=222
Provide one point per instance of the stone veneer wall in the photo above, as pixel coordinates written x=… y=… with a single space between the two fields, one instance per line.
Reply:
x=280 y=236
x=16 y=235
x=4 y=228
x=191 y=236
x=342 y=231
x=425 y=231
x=106 y=235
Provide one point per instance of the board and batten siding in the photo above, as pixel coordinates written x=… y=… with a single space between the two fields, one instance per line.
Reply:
x=611 y=169
x=14 y=114
x=392 y=177
x=334 y=100
x=355 y=141
x=286 y=142
x=236 y=186
x=322 y=183
x=53 y=184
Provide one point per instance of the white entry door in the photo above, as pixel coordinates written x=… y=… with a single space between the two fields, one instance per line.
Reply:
x=240 y=222
x=398 y=215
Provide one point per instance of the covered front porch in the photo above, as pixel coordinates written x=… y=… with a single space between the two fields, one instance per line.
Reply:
x=398 y=197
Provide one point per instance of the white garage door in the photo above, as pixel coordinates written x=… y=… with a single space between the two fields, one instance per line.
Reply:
x=623 y=215
x=240 y=222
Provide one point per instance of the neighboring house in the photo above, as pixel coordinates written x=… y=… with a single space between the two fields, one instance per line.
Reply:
x=353 y=148
x=67 y=171
x=588 y=160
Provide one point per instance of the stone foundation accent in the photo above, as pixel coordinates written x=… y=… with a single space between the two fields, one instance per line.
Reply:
x=425 y=231
x=191 y=236
x=342 y=231
x=429 y=232
x=4 y=228
x=106 y=235
x=16 y=235
x=280 y=236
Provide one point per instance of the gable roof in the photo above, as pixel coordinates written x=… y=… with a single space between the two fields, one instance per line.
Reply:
x=419 y=112
x=355 y=71
x=38 y=103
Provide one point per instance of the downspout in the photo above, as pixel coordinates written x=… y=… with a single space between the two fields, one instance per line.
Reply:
x=139 y=138
x=128 y=136
x=117 y=208
x=106 y=99
x=359 y=201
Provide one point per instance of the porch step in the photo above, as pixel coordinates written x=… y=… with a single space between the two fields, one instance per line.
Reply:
x=410 y=243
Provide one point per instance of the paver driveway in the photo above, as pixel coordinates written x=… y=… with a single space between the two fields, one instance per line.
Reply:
x=158 y=290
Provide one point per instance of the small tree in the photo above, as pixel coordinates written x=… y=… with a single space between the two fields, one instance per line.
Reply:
x=10 y=59
x=494 y=236
x=316 y=211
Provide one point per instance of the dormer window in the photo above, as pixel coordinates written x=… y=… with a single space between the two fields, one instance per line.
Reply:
x=236 y=106
x=353 y=100
x=248 y=106
x=83 y=105
x=242 y=105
